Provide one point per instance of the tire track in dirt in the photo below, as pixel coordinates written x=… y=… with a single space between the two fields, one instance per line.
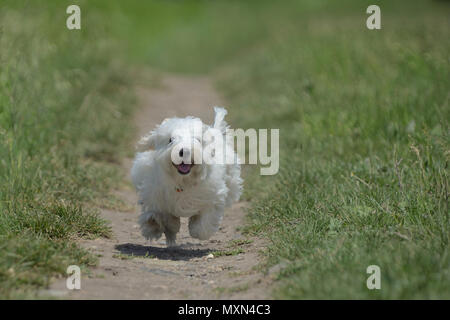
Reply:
x=132 y=268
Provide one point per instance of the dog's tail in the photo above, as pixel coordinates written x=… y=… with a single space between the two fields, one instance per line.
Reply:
x=219 y=122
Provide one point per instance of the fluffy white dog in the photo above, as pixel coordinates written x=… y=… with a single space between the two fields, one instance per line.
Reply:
x=178 y=173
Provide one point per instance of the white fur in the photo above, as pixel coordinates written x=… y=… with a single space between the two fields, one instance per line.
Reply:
x=206 y=190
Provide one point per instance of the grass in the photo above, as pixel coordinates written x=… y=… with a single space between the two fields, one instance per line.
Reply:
x=231 y=252
x=122 y=256
x=363 y=179
x=239 y=242
x=63 y=114
x=363 y=118
x=230 y=290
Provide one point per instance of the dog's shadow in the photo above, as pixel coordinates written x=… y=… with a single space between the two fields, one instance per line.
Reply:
x=179 y=252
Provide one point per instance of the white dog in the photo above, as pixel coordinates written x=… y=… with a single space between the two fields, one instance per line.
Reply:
x=173 y=179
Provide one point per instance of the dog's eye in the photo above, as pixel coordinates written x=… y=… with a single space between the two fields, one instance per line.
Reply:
x=170 y=140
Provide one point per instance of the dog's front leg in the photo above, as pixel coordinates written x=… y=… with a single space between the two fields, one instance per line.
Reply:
x=204 y=225
x=151 y=225
x=171 y=228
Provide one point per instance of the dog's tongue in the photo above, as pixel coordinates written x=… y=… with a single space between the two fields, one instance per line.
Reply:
x=184 y=168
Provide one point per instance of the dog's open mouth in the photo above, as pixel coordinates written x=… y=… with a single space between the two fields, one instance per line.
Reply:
x=183 y=168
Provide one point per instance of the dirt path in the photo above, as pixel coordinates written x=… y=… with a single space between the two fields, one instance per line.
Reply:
x=132 y=268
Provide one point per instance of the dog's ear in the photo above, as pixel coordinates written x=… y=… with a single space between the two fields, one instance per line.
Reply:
x=219 y=116
x=147 y=142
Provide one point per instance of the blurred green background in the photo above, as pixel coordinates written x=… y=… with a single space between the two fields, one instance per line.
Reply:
x=363 y=117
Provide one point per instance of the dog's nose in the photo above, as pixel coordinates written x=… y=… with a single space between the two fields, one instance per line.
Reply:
x=184 y=151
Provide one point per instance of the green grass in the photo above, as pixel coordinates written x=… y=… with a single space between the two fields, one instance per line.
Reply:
x=122 y=256
x=363 y=118
x=230 y=290
x=239 y=242
x=231 y=252
x=64 y=123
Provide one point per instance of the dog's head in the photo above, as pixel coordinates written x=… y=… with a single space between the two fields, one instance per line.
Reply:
x=179 y=145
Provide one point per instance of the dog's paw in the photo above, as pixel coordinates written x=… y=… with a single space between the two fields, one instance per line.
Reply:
x=199 y=229
x=150 y=229
x=170 y=242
